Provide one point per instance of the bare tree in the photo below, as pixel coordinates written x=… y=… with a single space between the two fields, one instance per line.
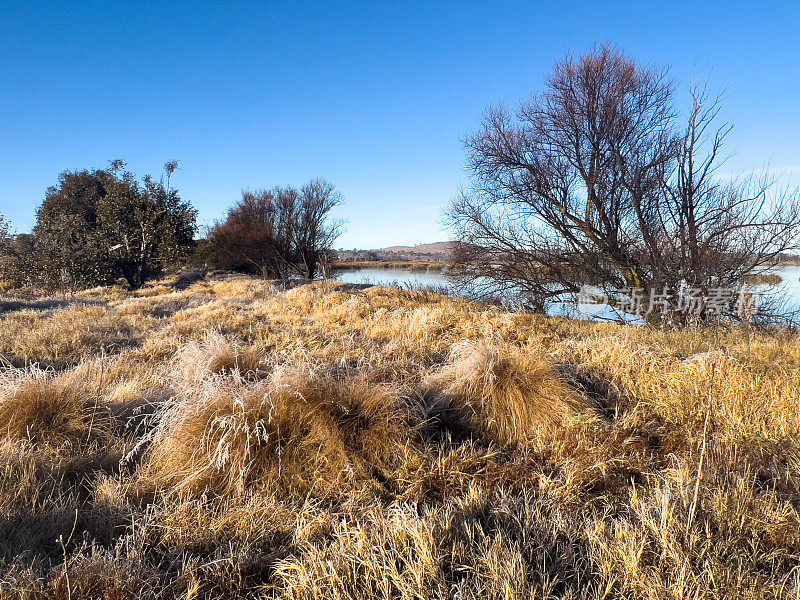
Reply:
x=717 y=231
x=245 y=240
x=593 y=182
x=314 y=232
x=280 y=232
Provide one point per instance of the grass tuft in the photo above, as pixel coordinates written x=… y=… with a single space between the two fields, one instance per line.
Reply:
x=299 y=431
x=509 y=394
x=41 y=408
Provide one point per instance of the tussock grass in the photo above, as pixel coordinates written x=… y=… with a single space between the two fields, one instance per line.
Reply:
x=297 y=431
x=332 y=441
x=510 y=394
x=214 y=355
x=40 y=408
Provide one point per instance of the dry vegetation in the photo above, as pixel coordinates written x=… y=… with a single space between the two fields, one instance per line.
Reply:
x=336 y=442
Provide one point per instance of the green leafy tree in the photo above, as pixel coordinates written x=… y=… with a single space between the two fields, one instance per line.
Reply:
x=6 y=249
x=97 y=226
x=67 y=249
x=6 y=239
x=17 y=257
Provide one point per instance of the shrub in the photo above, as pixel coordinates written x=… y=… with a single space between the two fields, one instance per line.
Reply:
x=86 y=227
x=279 y=233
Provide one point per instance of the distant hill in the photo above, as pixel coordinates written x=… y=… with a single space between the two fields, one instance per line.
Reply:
x=434 y=252
x=441 y=248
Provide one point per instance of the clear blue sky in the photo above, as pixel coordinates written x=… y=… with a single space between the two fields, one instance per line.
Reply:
x=375 y=97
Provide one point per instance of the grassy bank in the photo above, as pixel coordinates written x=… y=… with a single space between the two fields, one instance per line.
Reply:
x=231 y=440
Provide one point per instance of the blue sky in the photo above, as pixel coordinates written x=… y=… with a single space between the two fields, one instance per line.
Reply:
x=375 y=97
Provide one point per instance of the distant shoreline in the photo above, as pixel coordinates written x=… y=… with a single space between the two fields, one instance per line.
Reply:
x=386 y=264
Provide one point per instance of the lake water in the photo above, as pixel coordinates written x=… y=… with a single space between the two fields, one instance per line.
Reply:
x=396 y=277
x=791 y=281
x=789 y=289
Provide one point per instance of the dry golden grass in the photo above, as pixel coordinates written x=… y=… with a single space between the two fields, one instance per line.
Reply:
x=335 y=442
x=214 y=355
x=297 y=432
x=41 y=409
x=510 y=394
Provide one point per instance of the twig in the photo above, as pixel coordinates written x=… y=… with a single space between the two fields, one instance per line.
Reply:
x=64 y=550
x=693 y=508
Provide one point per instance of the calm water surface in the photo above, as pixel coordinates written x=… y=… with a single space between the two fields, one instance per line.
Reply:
x=396 y=277
x=789 y=288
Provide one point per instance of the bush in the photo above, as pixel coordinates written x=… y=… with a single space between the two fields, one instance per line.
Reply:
x=97 y=226
x=279 y=233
